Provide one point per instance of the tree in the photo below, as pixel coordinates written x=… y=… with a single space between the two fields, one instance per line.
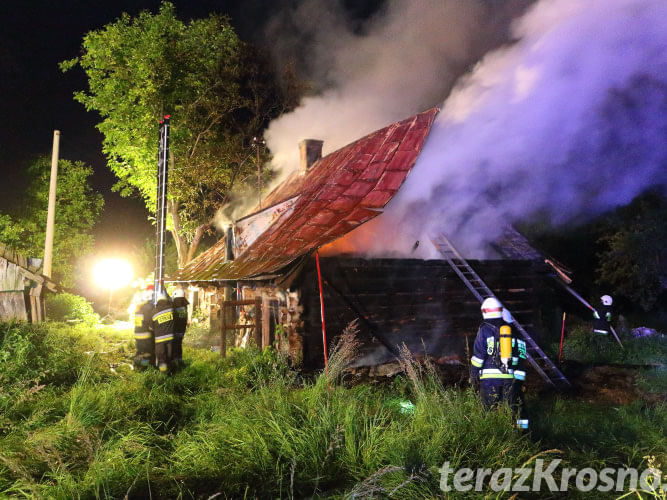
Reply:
x=203 y=76
x=634 y=259
x=77 y=210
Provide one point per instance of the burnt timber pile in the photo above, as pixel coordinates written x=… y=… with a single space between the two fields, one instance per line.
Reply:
x=421 y=303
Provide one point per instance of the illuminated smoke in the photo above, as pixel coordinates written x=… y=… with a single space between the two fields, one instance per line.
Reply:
x=403 y=60
x=567 y=122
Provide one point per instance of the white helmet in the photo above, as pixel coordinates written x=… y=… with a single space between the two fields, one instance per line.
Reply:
x=607 y=300
x=492 y=308
x=507 y=316
x=178 y=292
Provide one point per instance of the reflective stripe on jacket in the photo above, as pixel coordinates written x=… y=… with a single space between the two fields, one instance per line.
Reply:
x=484 y=362
x=163 y=322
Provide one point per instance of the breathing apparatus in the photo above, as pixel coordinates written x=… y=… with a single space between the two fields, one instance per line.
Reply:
x=505 y=346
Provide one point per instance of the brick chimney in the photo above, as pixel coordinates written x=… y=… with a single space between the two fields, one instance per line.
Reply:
x=310 y=150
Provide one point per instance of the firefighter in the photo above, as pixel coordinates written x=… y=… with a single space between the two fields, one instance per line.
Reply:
x=163 y=329
x=143 y=331
x=602 y=316
x=489 y=371
x=180 y=324
x=518 y=367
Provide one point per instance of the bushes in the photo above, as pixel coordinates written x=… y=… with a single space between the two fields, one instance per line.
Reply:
x=70 y=308
x=583 y=346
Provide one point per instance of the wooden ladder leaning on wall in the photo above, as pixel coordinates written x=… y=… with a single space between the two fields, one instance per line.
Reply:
x=537 y=358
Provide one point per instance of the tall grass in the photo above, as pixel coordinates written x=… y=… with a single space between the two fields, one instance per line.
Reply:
x=583 y=346
x=247 y=426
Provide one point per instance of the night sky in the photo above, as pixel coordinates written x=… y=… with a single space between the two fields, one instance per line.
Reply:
x=37 y=96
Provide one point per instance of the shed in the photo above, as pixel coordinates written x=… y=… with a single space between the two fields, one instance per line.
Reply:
x=22 y=287
x=421 y=303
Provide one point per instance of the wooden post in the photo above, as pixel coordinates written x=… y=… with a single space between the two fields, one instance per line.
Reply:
x=258 y=322
x=324 y=330
x=36 y=310
x=223 y=330
x=51 y=213
x=266 y=322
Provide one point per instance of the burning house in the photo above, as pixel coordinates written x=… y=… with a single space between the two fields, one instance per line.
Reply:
x=299 y=255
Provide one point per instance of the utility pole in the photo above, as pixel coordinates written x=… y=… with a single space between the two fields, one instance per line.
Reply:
x=258 y=142
x=51 y=214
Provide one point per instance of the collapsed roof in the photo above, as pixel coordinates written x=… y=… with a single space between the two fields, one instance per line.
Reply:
x=337 y=194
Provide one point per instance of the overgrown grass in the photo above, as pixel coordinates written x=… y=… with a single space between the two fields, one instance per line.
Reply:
x=247 y=426
x=583 y=346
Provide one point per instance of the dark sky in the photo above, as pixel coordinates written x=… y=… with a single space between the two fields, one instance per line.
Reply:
x=36 y=97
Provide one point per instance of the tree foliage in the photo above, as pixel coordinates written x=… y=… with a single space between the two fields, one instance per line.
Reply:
x=634 y=258
x=219 y=92
x=78 y=207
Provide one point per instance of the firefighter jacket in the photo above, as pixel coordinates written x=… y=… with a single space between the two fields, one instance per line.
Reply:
x=143 y=321
x=163 y=321
x=180 y=315
x=485 y=362
x=602 y=319
x=519 y=357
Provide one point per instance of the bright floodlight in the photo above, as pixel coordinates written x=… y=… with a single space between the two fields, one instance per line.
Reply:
x=113 y=273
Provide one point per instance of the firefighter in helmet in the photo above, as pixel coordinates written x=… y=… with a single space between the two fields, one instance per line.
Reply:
x=491 y=369
x=163 y=329
x=602 y=316
x=518 y=368
x=143 y=331
x=180 y=324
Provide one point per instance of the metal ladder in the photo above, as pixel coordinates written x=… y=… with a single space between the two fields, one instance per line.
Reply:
x=542 y=364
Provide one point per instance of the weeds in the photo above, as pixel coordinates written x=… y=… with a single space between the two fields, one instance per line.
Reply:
x=344 y=352
x=585 y=347
x=247 y=426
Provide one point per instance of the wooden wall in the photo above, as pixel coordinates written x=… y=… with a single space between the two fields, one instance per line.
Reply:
x=421 y=303
x=21 y=287
x=12 y=299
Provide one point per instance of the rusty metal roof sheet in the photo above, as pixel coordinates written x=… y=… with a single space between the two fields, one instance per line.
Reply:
x=338 y=193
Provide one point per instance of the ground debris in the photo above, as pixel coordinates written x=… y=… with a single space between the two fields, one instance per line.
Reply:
x=643 y=331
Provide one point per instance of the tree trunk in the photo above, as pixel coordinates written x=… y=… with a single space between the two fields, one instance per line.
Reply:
x=185 y=252
x=181 y=243
x=199 y=233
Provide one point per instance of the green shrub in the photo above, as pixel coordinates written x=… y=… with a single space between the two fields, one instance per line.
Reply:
x=67 y=307
x=584 y=346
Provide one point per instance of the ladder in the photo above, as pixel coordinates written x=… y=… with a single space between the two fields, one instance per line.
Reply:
x=542 y=364
x=161 y=207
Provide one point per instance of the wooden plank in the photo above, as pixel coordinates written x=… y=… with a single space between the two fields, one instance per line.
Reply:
x=266 y=322
x=240 y=327
x=13 y=306
x=223 y=331
x=234 y=303
x=258 y=321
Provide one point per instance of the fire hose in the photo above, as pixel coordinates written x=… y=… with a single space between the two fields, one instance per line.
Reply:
x=583 y=301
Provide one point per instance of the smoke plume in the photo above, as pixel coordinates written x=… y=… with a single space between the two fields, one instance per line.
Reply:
x=404 y=59
x=566 y=122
